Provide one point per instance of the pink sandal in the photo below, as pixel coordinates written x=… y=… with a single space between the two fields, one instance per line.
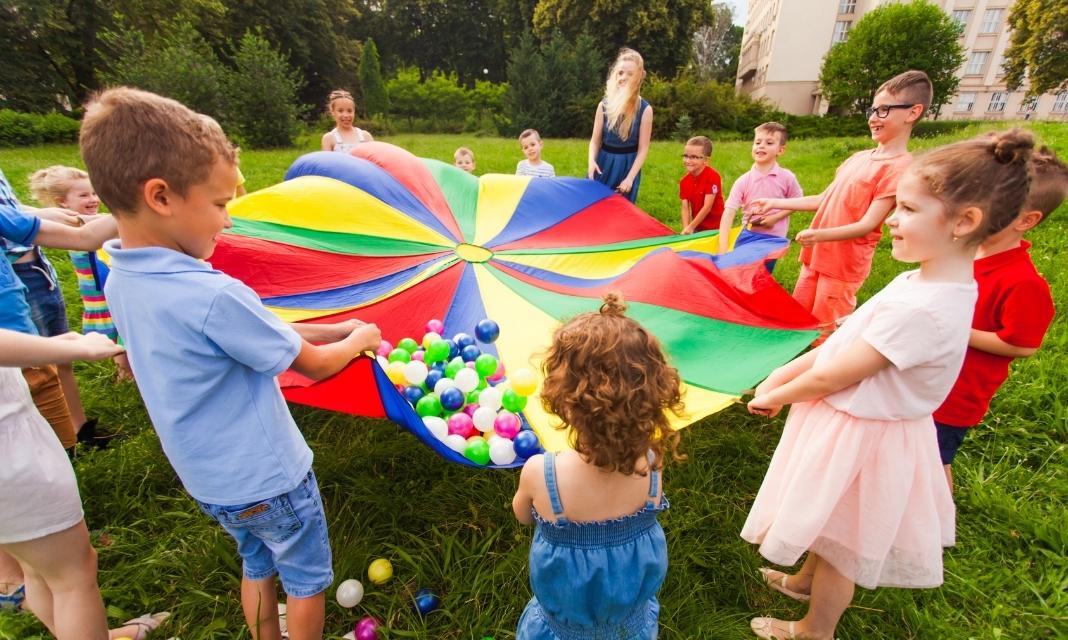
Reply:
x=146 y=624
x=778 y=582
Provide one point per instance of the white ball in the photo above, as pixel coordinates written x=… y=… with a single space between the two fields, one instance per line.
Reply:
x=349 y=593
x=382 y=361
x=455 y=442
x=443 y=384
x=466 y=380
x=436 y=426
x=415 y=372
x=490 y=398
x=483 y=419
x=502 y=451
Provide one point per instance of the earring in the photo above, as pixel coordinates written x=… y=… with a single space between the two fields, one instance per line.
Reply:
x=955 y=238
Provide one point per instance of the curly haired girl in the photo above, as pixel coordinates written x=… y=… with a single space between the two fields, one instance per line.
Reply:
x=599 y=557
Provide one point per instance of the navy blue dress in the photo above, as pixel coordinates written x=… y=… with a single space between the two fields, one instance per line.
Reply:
x=617 y=155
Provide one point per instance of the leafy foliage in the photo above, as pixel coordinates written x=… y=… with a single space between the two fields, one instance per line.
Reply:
x=22 y=129
x=1039 y=48
x=262 y=94
x=555 y=87
x=716 y=46
x=375 y=97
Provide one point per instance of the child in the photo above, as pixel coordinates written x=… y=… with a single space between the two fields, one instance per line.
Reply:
x=1014 y=311
x=43 y=526
x=530 y=142
x=464 y=159
x=701 y=188
x=599 y=556
x=205 y=352
x=837 y=249
x=766 y=179
x=344 y=137
x=856 y=480
x=622 y=128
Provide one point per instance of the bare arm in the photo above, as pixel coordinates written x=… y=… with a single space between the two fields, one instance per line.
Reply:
x=703 y=213
x=316 y=332
x=989 y=342
x=806 y=203
x=328 y=142
x=872 y=218
x=523 y=501
x=787 y=372
x=595 y=144
x=88 y=237
x=725 y=225
x=322 y=361
x=684 y=213
x=22 y=350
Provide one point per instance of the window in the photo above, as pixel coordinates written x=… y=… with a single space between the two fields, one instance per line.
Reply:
x=1029 y=105
x=997 y=102
x=847 y=6
x=1060 y=103
x=977 y=63
x=991 y=21
x=841 y=30
x=966 y=101
x=960 y=16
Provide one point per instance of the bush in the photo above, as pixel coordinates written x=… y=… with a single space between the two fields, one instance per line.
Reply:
x=21 y=129
x=555 y=87
x=262 y=105
x=711 y=106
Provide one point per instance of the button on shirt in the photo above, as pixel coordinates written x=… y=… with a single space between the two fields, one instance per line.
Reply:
x=205 y=353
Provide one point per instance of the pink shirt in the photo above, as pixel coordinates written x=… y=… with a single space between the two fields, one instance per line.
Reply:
x=777 y=183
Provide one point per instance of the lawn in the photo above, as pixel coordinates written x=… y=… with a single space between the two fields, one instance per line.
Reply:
x=450 y=528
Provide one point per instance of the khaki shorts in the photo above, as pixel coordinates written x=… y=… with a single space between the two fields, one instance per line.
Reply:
x=50 y=401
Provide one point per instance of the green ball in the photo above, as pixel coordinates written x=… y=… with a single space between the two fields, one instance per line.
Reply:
x=482 y=384
x=437 y=351
x=472 y=397
x=408 y=345
x=428 y=405
x=400 y=355
x=485 y=365
x=512 y=401
x=477 y=451
x=454 y=365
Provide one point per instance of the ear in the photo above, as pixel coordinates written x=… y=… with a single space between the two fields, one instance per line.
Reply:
x=157 y=196
x=967 y=222
x=915 y=111
x=1027 y=220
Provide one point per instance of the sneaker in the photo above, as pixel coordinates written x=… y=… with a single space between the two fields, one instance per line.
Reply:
x=93 y=435
x=12 y=602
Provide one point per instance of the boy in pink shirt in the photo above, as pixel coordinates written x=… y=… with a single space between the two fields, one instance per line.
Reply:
x=766 y=179
x=837 y=249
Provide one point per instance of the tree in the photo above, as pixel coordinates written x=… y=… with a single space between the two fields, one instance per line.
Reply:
x=262 y=91
x=1039 y=47
x=375 y=97
x=554 y=88
x=887 y=41
x=716 y=46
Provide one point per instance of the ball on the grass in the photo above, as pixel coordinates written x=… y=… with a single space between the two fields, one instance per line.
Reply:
x=426 y=601
x=380 y=571
x=487 y=330
x=366 y=629
x=526 y=444
x=349 y=593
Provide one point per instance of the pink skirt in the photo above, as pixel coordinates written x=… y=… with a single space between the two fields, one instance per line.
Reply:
x=868 y=496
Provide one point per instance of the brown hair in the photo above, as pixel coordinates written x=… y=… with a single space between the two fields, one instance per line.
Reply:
x=338 y=94
x=607 y=378
x=1049 y=182
x=130 y=136
x=529 y=132
x=910 y=87
x=50 y=185
x=701 y=141
x=990 y=172
x=463 y=151
x=774 y=127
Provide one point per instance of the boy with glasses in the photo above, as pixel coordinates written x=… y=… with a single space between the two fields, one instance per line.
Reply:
x=837 y=249
x=701 y=189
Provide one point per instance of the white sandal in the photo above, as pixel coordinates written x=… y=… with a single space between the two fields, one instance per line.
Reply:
x=147 y=623
x=779 y=584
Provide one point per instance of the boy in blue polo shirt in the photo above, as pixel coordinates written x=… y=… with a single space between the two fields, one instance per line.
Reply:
x=205 y=352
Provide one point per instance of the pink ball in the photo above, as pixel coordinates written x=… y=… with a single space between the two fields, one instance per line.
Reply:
x=419 y=355
x=506 y=425
x=461 y=424
x=471 y=364
x=384 y=348
x=435 y=326
x=471 y=409
x=497 y=375
x=366 y=629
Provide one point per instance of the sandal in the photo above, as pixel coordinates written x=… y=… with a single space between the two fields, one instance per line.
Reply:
x=777 y=580
x=771 y=629
x=283 y=626
x=146 y=624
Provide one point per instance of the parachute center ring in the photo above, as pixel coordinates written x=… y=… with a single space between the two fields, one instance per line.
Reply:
x=473 y=252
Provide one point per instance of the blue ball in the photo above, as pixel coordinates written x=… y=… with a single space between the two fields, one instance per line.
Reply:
x=433 y=376
x=438 y=366
x=454 y=349
x=413 y=394
x=426 y=601
x=452 y=398
x=463 y=340
x=470 y=353
x=526 y=444
x=487 y=330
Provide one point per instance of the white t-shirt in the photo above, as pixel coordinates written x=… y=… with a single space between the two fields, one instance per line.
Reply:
x=923 y=329
x=541 y=170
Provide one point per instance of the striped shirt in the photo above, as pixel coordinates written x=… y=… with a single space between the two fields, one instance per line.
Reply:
x=541 y=170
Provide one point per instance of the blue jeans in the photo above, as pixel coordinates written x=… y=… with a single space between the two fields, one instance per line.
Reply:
x=284 y=535
x=44 y=296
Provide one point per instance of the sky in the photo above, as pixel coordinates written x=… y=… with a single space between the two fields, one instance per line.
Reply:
x=741 y=8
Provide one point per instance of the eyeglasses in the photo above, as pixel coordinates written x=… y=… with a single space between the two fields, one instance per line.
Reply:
x=687 y=156
x=884 y=110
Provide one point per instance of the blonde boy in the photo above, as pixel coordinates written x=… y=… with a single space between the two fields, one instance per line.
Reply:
x=766 y=179
x=464 y=159
x=205 y=352
x=700 y=189
x=837 y=249
x=530 y=142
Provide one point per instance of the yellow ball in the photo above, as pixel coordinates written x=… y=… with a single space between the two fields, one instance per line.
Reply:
x=523 y=382
x=395 y=372
x=380 y=571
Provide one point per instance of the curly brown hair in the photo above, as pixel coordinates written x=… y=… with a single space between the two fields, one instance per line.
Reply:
x=607 y=378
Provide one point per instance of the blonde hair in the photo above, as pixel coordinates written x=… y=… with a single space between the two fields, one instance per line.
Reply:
x=528 y=133
x=50 y=185
x=338 y=94
x=130 y=136
x=461 y=152
x=621 y=103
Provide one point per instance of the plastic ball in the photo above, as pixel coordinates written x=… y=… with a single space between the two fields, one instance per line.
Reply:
x=470 y=353
x=526 y=444
x=415 y=372
x=461 y=424
x=437 y=351
x=435 y=326
x=413 y=393
x=382 y=362
x=432 y=378
x=483 y=419
x=454 y=349
x=429 y=338
x=466 y=380
x=395 y=372
x=384 y=348
x=419 y=355
x=442 y=384
x=463 y=340
x=498 y=374
x=471 y=405
x=490 y=398
x=436 y=426
x=454 y=366
x=451 y=398
x=428 y=405
x=380 y=571
x=426 y=601
x=506 y=425
x=400 y=355
x=512 y=401
x=477 y=451
x=502 y=451
x=456 y=442
x=487 y=330
x=523 y=382
x=408 y=345
x=366 y=629
x=349 y=593
x=486 y=365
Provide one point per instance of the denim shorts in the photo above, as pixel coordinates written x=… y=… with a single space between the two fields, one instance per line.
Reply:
x=47 y=310
x=949 y=440
x=284 y=535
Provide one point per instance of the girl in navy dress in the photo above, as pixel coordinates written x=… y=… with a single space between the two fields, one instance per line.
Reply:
x=622 y=128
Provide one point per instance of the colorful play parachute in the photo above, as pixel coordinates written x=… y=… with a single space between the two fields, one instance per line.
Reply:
x=397 y=240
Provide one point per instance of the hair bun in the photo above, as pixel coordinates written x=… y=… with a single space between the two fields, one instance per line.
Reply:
x=1013 y=146
x=612 y=304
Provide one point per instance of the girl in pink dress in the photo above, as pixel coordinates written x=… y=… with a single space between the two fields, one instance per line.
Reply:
x=856 y=480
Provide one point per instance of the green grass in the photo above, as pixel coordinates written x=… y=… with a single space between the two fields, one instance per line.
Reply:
x=450 y=528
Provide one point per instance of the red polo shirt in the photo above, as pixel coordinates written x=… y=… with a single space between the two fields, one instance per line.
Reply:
x=695 y=188
x=1014 y=302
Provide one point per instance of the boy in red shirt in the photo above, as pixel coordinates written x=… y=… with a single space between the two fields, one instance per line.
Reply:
x=701 y=189
x=1012 y=314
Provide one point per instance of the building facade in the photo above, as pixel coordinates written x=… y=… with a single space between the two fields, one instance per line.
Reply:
x=785 y=41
